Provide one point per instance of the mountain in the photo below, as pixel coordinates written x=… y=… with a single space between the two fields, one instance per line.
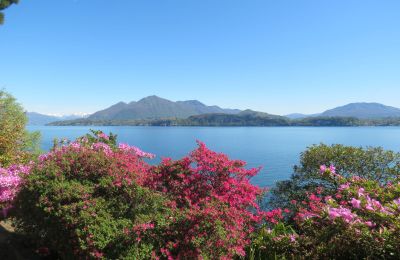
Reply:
x=300 y=116
x=243 y=118
x=42 y=119
x=154 y=107
x=363 y=111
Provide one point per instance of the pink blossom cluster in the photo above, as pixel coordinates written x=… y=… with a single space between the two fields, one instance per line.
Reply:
x=341 y=212
x=133 y=149
x=208 y=190
x=10 y=181
x=103 y=136
x=99 y=146
x=357 y=201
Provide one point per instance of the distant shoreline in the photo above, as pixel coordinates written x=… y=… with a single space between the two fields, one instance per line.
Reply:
x=224 y=120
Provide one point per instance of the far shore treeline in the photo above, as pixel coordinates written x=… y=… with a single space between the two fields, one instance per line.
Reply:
x=242 y=119
x=156 y=111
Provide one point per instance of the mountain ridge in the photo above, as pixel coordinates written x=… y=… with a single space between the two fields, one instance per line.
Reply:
x=364 y=110
x=154 y=107
x=35 y=118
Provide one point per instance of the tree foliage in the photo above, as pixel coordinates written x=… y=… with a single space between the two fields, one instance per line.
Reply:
x=3 y=5
x=16 y=144
x=373 y=163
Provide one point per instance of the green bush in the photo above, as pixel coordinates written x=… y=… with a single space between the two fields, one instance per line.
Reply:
x=360 y=221
x=371 y=163
x=81 y=202
x=16 y=144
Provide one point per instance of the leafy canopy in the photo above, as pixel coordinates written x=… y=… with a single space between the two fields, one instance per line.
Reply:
x=15 y=142
x=3 y=5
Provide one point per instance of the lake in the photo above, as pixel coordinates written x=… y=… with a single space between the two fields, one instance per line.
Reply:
x=276 y=149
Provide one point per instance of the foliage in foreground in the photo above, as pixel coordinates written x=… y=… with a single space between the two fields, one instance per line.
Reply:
x=3 y=5
x=16 y=144
x=95 y=199
x=88 y=199
x=360 y=221
x=369 y=163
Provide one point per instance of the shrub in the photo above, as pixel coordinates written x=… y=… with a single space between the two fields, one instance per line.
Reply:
x=215 y=203
x=82 y=199
x=360 y=221
x=370 y=163
x=16 y=144
x=89 y=199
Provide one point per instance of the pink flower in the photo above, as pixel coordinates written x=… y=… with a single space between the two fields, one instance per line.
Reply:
x=322 y=168
x=102 y=147
x=370 y=224
x=104 y=136
x=344 y=186
x=342 y=213
x=369 y=207
x=356 y=203
x=134 y=150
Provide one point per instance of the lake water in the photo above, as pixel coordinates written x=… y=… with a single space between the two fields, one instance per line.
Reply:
x=276 y=149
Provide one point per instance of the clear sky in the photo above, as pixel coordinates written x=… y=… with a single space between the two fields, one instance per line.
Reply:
x=279 y=56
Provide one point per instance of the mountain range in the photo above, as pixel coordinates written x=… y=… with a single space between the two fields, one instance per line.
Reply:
x=41 y=119
x=156 y=108
x=360 y=110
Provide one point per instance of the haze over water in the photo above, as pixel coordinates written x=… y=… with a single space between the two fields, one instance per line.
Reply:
x=276 y=149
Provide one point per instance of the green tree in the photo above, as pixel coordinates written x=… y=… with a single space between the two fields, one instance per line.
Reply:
x=373 y=163
x=3 y=5
x=16 y=144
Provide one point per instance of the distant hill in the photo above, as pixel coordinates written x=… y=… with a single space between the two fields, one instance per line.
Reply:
x=154 y=107
x=156 y=111
x=41 y=119
x=300 y=116
x=243 y=118
x=363 y=111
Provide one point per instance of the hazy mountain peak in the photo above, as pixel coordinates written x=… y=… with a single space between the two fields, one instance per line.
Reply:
x=35 y=118
x=154 y=107
x=152 y=98
x=364 y=110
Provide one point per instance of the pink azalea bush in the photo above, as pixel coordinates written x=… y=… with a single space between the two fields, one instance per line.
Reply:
x=361 y=220
x=10 y=182
x=93 y=199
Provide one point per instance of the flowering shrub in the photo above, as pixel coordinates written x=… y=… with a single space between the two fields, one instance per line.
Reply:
x=93 y=199
x=10 y=181
x=215 y=204
x=79 y=199
x=373 y=163
x=361 y=220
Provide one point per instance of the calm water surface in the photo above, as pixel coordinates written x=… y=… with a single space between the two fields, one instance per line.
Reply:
x=276 y=149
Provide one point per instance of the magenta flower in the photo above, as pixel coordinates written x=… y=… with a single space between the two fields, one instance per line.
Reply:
x=361 y=192
x=370 y=224
x=134 y=150
x=356 y=203
x=344 y=186
x=104 y=136
x=341 y=212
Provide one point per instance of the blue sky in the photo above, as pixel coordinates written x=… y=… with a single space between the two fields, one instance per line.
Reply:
x=279 y=57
